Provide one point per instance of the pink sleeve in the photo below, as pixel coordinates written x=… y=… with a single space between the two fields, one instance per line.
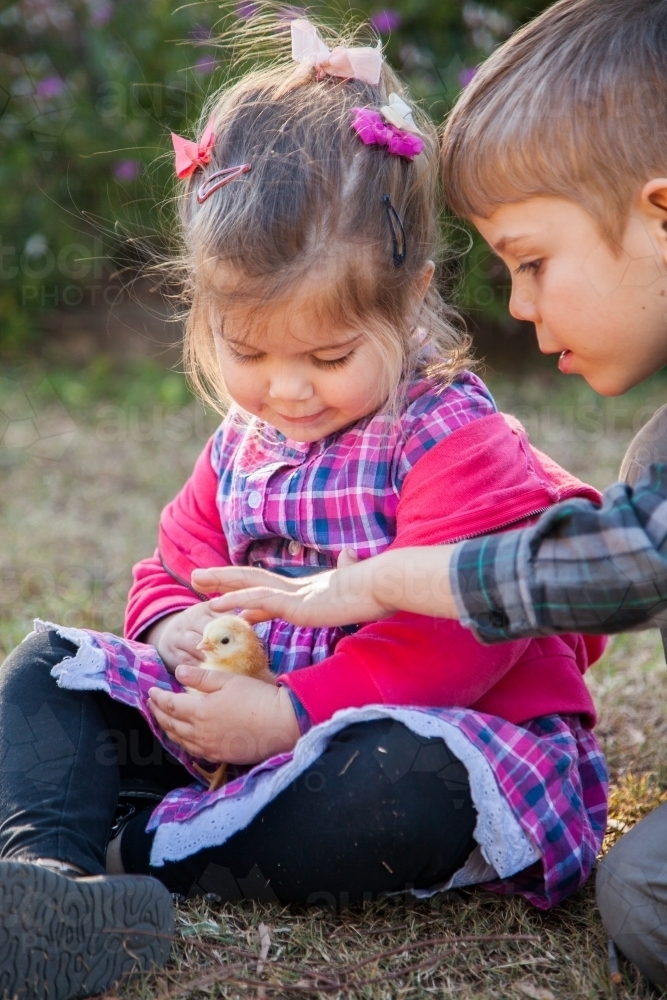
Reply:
x=404 y=660
x=190 y=537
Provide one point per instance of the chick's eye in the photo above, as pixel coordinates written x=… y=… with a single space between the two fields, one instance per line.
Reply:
x=225 y=640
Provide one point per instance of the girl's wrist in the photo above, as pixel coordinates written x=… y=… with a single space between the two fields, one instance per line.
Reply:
x=289 y=721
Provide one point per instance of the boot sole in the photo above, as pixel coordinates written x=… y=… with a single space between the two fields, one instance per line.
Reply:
x=63 y=938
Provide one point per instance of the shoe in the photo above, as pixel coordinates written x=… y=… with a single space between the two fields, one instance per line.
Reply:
x=64 y=937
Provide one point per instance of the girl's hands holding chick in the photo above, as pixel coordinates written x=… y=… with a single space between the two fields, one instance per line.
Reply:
x=242 y=721
x=176 y=636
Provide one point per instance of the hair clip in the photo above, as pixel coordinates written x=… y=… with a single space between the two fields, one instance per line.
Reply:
x=353 y=63
x=189 y=156
x=373 y=130
x=398 y=242
x=219 y=178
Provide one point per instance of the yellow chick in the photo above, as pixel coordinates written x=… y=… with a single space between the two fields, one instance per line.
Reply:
x=231 y=645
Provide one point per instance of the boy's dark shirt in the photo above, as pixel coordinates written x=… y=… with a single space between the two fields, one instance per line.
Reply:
x=580 y=568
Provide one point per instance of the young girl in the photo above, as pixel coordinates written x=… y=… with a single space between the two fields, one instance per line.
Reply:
x=402 y=756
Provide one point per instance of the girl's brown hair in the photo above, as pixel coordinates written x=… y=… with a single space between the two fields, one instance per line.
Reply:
x=572 y=106
x=313 y=204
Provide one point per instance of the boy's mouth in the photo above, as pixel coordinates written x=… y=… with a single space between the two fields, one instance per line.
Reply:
x=565 y=362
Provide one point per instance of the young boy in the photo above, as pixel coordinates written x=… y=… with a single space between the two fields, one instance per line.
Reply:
x=558 y=153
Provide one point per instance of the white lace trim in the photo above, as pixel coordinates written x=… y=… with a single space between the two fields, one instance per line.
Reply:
x=503 y=849
x=84 y=672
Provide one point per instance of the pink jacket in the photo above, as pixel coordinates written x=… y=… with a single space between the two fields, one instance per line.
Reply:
x=482 y=478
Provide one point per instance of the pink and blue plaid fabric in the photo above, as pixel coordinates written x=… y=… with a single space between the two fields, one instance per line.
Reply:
x=286 y=504
x=551 y=772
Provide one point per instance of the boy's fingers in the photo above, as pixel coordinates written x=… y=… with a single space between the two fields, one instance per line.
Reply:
x=228 y=578
x=262 y=602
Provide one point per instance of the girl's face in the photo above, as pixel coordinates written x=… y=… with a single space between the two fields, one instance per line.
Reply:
x=306 y=378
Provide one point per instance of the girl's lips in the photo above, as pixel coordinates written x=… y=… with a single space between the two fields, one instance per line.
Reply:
x=565 y=362
x=311 y=418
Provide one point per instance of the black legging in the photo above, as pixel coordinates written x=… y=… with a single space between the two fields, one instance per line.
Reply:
x=381 y=810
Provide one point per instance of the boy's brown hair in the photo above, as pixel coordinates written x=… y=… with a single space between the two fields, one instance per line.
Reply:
x=312 y=205
x=574 y=105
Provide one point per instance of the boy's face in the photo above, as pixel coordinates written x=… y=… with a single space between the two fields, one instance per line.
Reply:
x=602 y=308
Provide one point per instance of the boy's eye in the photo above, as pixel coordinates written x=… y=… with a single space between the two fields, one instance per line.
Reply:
x=529 y=267
x=333 y=363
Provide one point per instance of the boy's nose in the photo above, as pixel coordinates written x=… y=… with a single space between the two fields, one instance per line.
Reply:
x=522 y=306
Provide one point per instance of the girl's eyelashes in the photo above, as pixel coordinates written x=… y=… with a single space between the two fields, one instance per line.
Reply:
x=334 y=363
x=529 y=267
x=243 y=359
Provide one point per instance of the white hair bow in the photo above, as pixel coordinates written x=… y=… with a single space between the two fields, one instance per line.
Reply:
x=363 y=64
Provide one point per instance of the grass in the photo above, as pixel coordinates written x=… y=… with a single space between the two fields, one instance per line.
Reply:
x=87 y=460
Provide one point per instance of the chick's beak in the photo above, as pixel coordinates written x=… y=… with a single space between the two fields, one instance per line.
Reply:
x=206 y=645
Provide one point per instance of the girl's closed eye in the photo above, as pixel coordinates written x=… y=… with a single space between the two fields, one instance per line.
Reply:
x=332 y=362
x=241 y=358
x=530 y=267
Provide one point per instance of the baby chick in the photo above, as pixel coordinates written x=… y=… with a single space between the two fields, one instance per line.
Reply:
x=230 y=644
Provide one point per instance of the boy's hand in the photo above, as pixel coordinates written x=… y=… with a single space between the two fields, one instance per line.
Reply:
x=415 y=580
x=241 y=720
x=175 y=637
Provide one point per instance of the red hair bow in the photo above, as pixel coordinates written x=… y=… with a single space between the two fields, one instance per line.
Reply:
x=190 y=155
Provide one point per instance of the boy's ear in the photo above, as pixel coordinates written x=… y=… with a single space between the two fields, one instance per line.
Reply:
x=653 y=203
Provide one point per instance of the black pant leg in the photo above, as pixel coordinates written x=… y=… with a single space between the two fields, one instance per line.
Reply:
x=381 y=810
x=64 y=756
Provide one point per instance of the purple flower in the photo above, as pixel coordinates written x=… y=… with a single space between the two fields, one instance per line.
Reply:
x=101 y=13
x=246 y=9
x=126 y=170
x=290 y=12
x=467 y=75
x=386 y=21
x=50 y=86
x=205 y=65
x=200 y=33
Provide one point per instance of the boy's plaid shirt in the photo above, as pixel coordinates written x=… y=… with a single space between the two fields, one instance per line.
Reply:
x=580 y=568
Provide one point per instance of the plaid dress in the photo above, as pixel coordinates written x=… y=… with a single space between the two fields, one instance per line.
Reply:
x=539 y=789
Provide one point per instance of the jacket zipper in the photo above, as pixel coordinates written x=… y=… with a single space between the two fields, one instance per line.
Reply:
x=178 y=579
x=508 y=524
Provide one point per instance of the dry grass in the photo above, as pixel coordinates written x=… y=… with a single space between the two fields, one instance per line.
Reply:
x=71 y=527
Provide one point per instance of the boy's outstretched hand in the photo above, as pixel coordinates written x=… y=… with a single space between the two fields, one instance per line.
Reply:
x=415 y=580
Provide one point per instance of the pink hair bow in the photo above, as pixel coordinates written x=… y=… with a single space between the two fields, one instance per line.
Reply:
x=190 y=155
x=373 y=130
x=363 y=64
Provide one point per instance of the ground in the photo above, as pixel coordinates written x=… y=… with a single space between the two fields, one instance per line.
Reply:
x=87 y=459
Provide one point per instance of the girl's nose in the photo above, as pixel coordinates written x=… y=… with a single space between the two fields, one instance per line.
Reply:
x=289 y=383
x=522 y=305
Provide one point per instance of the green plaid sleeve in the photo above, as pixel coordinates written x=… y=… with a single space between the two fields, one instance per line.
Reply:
x=580 y=568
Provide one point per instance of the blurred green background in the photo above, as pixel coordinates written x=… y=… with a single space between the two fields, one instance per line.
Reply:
x=89 y=91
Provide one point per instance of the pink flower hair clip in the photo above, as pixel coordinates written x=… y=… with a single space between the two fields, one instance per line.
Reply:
x=190 y=156
x=392 y=126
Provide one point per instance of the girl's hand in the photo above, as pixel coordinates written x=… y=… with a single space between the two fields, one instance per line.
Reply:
x=241 y=720
x=415 y=580
x=175 y=637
